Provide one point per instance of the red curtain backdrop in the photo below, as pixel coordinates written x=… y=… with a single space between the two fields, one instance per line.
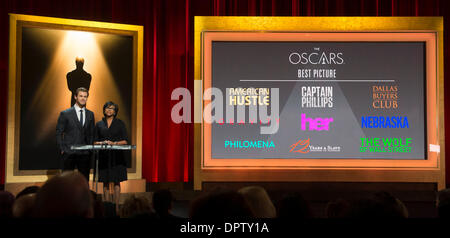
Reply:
x=168 y=57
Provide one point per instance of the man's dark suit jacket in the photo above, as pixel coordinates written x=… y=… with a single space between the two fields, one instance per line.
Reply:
x=69 y=131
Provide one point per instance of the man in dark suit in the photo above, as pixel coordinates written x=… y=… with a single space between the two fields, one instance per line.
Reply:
x=76 y=127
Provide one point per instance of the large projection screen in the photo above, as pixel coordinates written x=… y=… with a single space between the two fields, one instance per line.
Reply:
x=42 y=55
x=348 y=103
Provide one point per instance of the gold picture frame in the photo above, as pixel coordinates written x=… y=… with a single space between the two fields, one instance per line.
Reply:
x=17 y=21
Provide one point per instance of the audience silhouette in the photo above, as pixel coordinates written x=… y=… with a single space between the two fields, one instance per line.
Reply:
x=67 y=195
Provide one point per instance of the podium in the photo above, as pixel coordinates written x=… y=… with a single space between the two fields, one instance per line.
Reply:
x=95 y=149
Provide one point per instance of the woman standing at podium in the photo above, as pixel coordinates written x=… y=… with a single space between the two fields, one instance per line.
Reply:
x=111 y=164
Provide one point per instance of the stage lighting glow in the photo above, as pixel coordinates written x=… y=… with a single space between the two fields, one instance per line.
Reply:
x=53 y=95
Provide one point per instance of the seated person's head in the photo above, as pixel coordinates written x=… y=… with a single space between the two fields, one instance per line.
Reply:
x=390 y=206
x=259 y=201
x=162 y=201
x=27 y=190
x=65 y=195
x=337 y=209
x=24 y=206
x=379 y=205
x=135 y=205
x=220 y=204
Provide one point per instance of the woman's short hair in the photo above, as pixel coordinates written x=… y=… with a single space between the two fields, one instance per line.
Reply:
x=108 y=104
